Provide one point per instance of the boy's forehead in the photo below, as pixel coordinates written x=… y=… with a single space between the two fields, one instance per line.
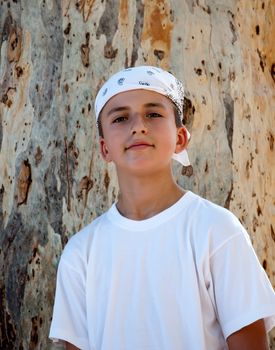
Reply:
x=137 y=98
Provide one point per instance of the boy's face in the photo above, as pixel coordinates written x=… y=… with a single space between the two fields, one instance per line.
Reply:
x=139 y=131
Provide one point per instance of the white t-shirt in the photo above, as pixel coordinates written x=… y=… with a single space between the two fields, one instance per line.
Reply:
x=186 y=278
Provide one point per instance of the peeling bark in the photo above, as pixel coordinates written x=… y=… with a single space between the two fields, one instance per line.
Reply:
x=24 y=182
x=54 y=56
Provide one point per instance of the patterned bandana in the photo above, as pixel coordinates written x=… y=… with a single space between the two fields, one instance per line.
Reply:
x=146 y=78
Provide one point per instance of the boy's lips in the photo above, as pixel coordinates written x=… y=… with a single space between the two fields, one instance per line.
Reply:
x=139 y=144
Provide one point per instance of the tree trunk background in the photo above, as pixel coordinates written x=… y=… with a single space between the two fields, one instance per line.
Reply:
x=54 y=57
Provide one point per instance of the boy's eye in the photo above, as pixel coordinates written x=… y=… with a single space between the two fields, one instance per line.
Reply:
x=153 y=115
x=119 y=119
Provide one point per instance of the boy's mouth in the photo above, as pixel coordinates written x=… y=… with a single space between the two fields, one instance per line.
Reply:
x=139 y=145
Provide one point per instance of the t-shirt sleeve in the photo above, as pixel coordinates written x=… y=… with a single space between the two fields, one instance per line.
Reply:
x=69 y=315
x=242 y=291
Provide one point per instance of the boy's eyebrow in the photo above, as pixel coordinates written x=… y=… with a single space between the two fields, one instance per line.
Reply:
x=117 y=109
x=123 y=108
x=154 y=104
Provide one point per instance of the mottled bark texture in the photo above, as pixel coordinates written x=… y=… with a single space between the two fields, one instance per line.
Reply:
x=54 y=56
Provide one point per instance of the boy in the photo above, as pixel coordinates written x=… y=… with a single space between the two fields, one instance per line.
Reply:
x=162 y=269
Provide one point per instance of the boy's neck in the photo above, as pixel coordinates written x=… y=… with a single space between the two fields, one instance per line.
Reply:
x=143 y=197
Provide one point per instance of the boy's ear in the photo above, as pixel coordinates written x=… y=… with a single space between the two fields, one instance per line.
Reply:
x=182 y=139
x=104 y=150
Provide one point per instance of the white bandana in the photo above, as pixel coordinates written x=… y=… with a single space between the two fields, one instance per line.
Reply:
x=146 y=78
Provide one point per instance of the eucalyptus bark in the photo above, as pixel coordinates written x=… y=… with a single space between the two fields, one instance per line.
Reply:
x=54 y=57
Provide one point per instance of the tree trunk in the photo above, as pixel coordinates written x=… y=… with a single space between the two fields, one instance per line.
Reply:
x=54 y=57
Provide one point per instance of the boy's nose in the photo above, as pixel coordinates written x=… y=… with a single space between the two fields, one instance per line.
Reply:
x=139 y=126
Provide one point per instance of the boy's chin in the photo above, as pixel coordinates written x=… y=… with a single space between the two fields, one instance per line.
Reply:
x=143 y=168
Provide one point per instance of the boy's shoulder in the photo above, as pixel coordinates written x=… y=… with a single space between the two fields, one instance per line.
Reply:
x=213 y=225
x=210 y=226
x=214 y=213
x=211 y=211
x=78 y=245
